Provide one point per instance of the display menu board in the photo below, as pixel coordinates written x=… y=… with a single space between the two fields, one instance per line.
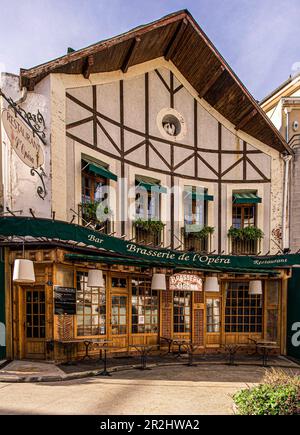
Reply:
x=64 y=300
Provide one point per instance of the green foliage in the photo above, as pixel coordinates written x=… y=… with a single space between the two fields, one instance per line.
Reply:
x=247 y=233
x=204 y=232
x=151 y=225
x=278 y=395
x=89 y=211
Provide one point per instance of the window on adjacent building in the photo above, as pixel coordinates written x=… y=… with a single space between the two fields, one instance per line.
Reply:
x=91 y=308
x=145 y=307
x=182 y=311
x=243 y=312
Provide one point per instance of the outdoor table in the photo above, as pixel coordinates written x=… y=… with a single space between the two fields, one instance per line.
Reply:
x=68 y=347
x=169 y=341
x=100 y=342
x=232 y=350
x=180 y=343
x=144 y=350
x=103 y=344
x=260 y=342
x=265 y=352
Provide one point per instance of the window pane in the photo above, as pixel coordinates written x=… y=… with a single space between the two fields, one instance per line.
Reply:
x=242 y=319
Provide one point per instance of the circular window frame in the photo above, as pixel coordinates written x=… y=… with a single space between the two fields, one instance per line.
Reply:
x=179 y=118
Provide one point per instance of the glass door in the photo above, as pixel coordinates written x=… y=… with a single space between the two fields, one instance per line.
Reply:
x=213 y=321
x=35 y=323
x=119 y=320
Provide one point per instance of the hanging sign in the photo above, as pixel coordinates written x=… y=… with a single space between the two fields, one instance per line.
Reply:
x=185 y=281
x=25 y=143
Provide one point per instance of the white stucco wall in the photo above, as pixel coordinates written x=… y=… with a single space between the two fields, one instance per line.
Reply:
x=19 y=186
x=63 y=154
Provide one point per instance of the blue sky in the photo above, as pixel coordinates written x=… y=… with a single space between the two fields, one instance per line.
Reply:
x=260 y=39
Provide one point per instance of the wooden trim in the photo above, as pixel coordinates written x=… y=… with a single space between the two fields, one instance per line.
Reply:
x=147 y=117
x=244 y=160
x=232 y=166
x=161 y=171
x=9 y=316
x=195 y=137
x=217 y=74
x=244 y=121
x=219 y=187
x=88 y=64
x=94 y=88
x=176 y=39
x=130 y=55
x=156 y=138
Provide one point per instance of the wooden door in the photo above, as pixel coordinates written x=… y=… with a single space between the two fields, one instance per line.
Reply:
x=119 y=322
x=34 y=322
x=213 y=320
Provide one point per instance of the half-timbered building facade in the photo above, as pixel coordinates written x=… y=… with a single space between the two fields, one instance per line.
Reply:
x=149 y=141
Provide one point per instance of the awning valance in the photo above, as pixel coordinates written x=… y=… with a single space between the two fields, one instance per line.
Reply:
x=150 y=185
x=29 y=230
x=198 y=196
x=246 y=198
x=100 y=170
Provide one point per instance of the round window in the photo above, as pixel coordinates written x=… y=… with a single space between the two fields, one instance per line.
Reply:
x=171 y=124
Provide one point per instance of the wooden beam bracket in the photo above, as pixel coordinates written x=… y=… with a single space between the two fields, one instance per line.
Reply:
x=245 y=119
x=129 y=58
x=176 y=39
x=88 y=64
x=211 y=81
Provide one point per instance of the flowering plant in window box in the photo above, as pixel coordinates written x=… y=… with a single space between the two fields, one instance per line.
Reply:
x=151 y=225
x=203 y=233
x=247 y=233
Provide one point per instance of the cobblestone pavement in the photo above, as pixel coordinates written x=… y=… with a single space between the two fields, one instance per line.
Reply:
x=176 y=389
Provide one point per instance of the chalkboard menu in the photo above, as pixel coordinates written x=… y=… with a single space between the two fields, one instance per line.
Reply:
x=64 y=300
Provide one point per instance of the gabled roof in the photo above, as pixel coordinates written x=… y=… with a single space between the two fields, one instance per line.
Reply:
x=285 y=89
x=176 y=37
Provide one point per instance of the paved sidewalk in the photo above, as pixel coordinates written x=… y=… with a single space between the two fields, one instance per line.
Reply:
x=36 y=371
x=167 y=390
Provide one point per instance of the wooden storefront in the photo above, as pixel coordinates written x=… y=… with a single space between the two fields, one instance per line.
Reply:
x=127 y=312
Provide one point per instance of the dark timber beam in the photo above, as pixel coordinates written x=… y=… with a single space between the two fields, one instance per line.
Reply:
x=175 y=39
x=245 y=119
x=89 y=62
x=130 y=54
x=211 y=81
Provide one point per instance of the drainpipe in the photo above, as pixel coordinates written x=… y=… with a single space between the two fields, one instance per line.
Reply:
x=286 y=158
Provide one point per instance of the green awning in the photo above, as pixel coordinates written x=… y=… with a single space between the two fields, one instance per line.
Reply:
x=199 y=196
x=246 y=198
x=100 y=170
x=151 y=263
x=150 y=185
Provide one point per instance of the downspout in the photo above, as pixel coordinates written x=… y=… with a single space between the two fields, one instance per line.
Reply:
x=286 y=158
